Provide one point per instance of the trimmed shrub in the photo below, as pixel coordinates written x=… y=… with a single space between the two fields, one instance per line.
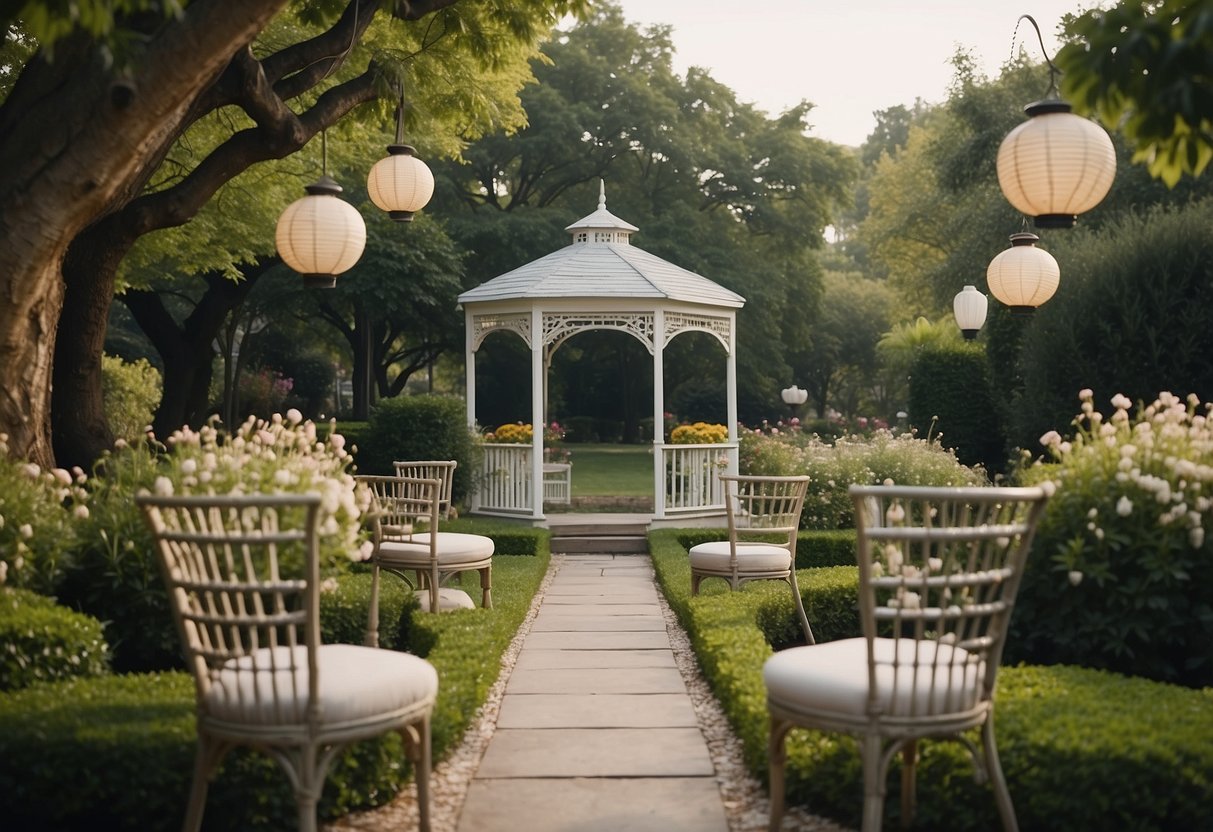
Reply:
x=420 y=427
x=345 y=605
x=1081 y=749
x=508 y=538
x=951 y=397
x=1116 y=576
x=813 y=548
x=131 y=395
x=125 y=744
x=41 y=641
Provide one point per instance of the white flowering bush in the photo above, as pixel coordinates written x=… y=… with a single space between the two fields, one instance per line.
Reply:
x=1119 y=571
x=115 y=576
x=38 y=513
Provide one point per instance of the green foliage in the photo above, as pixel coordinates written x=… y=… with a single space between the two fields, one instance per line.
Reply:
x=950 y=389
x=1116 y=576
x=509 y=538
x=1132 y=316
x=1138 y=752
x=813 y=548
x=37 y=529
x=132 y=393
x=1143 y=69
x=345 y=608
x=420 y=427
x=41 y=641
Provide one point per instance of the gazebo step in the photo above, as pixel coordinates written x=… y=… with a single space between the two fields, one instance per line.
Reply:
x=600 y=543
x=598 y=529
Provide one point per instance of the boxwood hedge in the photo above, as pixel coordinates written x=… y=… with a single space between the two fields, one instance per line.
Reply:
x=813 y=548
x=1082 y=749
x=41 y=641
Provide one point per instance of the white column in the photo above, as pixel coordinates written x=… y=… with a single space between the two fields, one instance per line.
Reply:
x=537 y=387
x=469 y=375
x=731 y=388
x=658 y=413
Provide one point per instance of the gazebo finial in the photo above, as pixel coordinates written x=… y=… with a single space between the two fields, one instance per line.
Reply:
x=602 y=194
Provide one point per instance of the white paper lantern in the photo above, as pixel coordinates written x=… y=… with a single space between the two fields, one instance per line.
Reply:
x=1055 y=165
x=970 y=307
x=1023 y=276
x=320 y=236
x=400 y=183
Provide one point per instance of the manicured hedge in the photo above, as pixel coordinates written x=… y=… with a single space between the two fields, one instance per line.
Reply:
x=41 y=641
x=813 y=548
x=116 y=752
x=509 y=537
x=1082 y=749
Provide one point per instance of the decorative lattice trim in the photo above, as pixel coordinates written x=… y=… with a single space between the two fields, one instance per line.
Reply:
x=559 y=327
x=718 y=326
x=482 y=325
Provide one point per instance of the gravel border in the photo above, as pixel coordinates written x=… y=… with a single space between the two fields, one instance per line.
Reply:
x=744 y=798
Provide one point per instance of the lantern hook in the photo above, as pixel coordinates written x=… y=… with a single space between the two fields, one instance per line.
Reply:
x=1054 y=72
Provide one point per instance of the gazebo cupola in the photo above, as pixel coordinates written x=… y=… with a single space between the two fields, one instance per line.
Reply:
x=601 y=226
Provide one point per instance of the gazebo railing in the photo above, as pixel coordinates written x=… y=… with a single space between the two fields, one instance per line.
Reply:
x=692 y=477
x=505 y=481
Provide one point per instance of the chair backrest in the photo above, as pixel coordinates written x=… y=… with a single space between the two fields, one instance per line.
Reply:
x=242 y=576
x=938 y=571
x=398 y=504
x=764 y=508
x=432 y=469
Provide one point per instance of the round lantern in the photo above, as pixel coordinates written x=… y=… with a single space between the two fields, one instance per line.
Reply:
x=1023 y=276
x=400 y=183
x=970 y=306
x=1055 y=165
x=320 y=236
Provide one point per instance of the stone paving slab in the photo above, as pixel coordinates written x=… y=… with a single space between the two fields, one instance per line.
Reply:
x=642 y=640
x=597 y=680
x=601 y=586
x=597 y=623
x=597 y=752
x=581 y=805
x=592 y=606
x=636 y=597
x=605 y=710
x=535 y=659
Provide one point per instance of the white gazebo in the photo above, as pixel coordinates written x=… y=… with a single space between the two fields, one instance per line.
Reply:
x=602 y=281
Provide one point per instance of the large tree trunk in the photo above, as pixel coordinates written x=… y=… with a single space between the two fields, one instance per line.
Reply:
x=73 y=135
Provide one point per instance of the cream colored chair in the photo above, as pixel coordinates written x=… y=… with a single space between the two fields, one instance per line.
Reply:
x=243 y=579
x=433 y=469
x=406 y=513
x=764 y=516
x=938 y=573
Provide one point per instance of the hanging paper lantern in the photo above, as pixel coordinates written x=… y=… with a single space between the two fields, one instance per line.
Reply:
x=400 y=183
x=320 y=236
x=1023 y=276
x=969 y=307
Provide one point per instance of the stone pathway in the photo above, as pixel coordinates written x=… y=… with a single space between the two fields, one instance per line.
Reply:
x=596 y=730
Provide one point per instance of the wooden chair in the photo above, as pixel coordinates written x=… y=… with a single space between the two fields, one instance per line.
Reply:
x=243 y=578
x=406 y=513
x=764 y=516
x=432 y=469
x=938 y=573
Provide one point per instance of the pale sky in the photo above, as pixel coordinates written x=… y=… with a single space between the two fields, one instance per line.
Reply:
x=848 y=57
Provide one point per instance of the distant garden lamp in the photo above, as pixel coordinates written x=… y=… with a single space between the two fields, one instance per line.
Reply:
x=1023 y=276
x=400 y=183
x=320 y=236
x=970 y=306
x=1056 y=165
x=794 y=397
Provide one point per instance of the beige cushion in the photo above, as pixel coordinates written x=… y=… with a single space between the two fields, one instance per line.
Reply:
x=834 y=677
x=756 y=557
x=449 y=598
x=355 y=683
x=454 y=548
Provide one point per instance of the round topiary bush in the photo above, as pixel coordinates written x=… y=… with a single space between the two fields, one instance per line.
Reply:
x=41 y=641
x=1116 y=577
x=417 y=428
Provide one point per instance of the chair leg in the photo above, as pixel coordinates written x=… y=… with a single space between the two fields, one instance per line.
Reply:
x=777 y=754
x=873 y=783
x=695 y=579
x=909 y=785
x=307 y=787
x=799 y=601
x=206 y=758
x=417 y=746
x=433 y=581
x=1006 y=809
x=372 y=624
x=486 y=587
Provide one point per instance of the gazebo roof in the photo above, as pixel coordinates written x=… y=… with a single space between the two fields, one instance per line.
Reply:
x=601 y=263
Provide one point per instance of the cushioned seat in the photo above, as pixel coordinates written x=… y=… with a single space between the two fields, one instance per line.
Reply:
x=716 y=556
x=834 y=677
x=355 y=683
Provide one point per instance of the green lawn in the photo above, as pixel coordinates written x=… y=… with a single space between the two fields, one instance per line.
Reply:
x=612 y=470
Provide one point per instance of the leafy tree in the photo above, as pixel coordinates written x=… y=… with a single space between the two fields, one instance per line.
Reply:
x=77 y=198
x=1146 y=69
